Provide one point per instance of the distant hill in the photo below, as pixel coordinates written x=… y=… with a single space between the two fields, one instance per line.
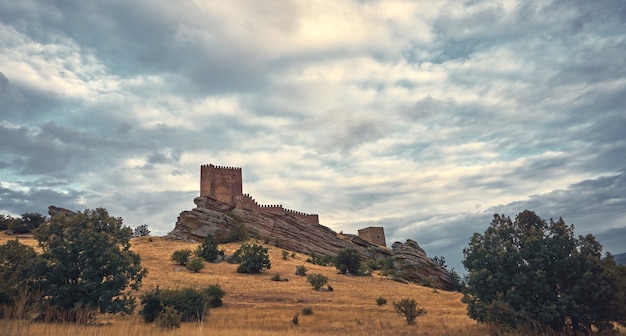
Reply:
x=620 y=258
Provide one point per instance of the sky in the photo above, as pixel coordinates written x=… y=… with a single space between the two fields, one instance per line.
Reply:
x=424 y=117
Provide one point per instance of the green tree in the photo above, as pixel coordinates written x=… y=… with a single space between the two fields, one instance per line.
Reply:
x=26 y=223
x=252 y=258
x=348 y=260
x=409 y=309
x=89 y=263
x=208 y=250
x=534 y=276
x=21 y=272
x=141 y=231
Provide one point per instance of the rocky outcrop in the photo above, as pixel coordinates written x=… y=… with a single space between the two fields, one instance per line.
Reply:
x=411 y=263
x=291 y=232
x=53 y=210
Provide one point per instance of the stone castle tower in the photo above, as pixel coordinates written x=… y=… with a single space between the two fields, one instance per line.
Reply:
x=374 y=235
x=221 y=183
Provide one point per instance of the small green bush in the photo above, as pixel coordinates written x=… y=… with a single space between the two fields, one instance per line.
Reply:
x=307 y=311
x=195 y=265
x=381 y=301
x=168 y=318
x=238 y=233
x=348 y=260
x=409 y=309
x=301 y=270
x=293 y=255
x=285 y=254
x=181 y=256
x=215 y=293
x=317 y=280
x=276 y=277
x=208 y=250
x=252 y=258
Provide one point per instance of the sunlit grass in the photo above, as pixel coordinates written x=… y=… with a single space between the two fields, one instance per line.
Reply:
x=255 y=305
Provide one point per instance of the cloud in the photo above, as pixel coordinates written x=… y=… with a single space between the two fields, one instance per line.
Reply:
x=423 y=117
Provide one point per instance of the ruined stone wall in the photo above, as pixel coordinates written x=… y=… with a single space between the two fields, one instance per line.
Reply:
x=374 y=235
x=246 y=201
x=221 y=183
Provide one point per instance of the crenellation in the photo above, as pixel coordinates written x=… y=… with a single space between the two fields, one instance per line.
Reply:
x=224 y=183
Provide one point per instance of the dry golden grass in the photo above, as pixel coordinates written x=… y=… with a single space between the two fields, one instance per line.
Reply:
x=255 y=305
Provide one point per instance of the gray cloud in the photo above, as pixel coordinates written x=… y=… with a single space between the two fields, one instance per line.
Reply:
x=424 y=118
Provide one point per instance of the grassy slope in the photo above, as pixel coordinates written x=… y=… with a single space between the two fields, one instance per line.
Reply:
x=254 y=305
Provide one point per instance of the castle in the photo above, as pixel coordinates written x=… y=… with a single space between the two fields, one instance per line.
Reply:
x=225 y=185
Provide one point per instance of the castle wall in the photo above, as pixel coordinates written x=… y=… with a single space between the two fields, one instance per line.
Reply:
x=221 y=183
x=374 y=235
x=246 y=201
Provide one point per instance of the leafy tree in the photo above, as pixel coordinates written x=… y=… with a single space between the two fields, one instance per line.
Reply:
x=26 y=223
x=252 y=258
x=181 y=256
x=141 y=231
x=4 y=222
x=215 y=293
x=89 y=264
x=348 y=260
x=532 y=275
x=317 y=280
x=409 y=309
x=208 y=250
x=21 y=271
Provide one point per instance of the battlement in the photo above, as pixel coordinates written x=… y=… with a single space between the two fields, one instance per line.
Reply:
x=225 y=185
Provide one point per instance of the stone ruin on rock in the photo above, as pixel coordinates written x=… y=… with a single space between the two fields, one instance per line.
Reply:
x=222 y=206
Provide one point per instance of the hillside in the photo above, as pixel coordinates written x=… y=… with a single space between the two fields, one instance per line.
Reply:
x=620 y=258
x=293 y=233
x=254 y=305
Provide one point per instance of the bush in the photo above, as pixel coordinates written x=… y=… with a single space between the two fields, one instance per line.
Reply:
x=381 y=301
x=168 y=318
x=348 y=260
x=276 y=277
x=191 y=303
x=409 y=309
x=238 y=233
x=307 y=311
x=301 y=270
x=195 y=265
x=252 y=258
x=208 y=250
x=285 y=254
x=141 y=231
x=215 y=293
x=181 y=256
x=317 y=280
x=323 y=260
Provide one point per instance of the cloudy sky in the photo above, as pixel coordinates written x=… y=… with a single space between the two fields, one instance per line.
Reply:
x=425 y=117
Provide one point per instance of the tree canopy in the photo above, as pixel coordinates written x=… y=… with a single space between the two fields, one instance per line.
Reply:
x=89 y=262
x=536 y=276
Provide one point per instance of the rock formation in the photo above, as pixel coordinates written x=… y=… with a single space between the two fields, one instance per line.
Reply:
x=291 y=232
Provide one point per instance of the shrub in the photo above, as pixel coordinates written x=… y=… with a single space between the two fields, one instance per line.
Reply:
x=208 y=250
x=276 y=277
x=381 y=301
x=285 y=254
x=317 y=280
x=323 y=260
x=195 y=265
x=191 y=303
x=168 y=318
x=409 y=309
x=215 y=293
x=181 y=256
x=348 y=260
x=238 y=233
x=307 y=311
x=252 y=258
x=301 y=270
x=141 y=231
x=293 y=254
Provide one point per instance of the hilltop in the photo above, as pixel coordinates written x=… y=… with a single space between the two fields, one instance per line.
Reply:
x=255 y=305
